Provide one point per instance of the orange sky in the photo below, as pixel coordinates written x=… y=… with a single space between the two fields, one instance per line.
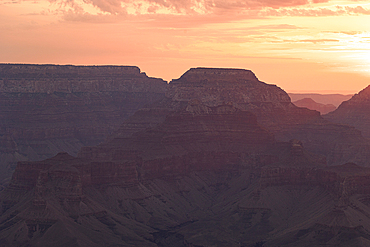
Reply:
x=300 y=45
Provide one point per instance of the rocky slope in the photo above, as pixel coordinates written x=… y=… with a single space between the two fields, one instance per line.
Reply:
x=46 y=109
x=312 y=105
x=354 y=112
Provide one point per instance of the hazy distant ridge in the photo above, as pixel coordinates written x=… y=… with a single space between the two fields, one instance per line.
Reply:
x=335 y=99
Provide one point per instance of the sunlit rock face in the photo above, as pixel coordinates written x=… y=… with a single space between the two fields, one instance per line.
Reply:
x=354 y=112
x=46 y=109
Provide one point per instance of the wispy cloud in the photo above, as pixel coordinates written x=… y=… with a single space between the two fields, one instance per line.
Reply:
x=198 y=11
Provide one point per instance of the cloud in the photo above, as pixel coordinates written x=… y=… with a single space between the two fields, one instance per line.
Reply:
x=325 y=11
x=358 y=10
x=212 y=11
x=274 y=27
x=185 y=6
x=315 y=41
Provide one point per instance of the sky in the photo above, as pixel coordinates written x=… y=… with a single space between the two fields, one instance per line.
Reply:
x=311 y=46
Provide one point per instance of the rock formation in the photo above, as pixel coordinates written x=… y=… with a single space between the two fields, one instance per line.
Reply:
x=354 y=112
x=312 y=105
x=46 y=109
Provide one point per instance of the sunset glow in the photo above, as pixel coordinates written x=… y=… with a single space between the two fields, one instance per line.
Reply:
x=302 y=46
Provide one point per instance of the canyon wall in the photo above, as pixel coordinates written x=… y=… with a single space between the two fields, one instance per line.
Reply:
x=46 y=109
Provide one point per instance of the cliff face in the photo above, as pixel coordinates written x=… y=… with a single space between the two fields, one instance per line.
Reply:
x=48 y=108
x=354 y=112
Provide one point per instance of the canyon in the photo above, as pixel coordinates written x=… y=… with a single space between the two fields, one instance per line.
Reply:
x=214 y=158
